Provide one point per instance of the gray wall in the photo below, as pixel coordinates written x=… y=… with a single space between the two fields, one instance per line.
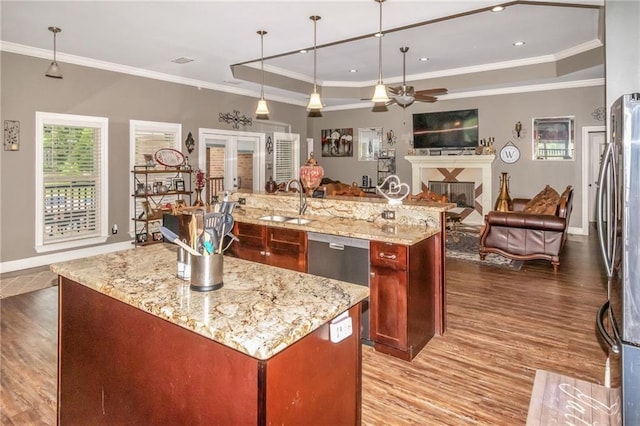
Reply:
x=622 y=55
x=120 y=98
x=497 y=117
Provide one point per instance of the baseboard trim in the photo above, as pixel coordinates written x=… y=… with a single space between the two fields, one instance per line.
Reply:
x=33 y=262
x=577 y=231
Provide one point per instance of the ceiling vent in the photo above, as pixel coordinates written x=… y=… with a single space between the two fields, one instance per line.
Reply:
x=182 y=60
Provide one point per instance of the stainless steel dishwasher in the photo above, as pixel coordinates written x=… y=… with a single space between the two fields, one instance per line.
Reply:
x=344 y=259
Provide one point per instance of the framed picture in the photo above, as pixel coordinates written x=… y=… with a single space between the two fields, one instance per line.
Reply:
x=553 y=138
x=11 y=135
x=147 y=209
x=337 y=142
x=369 y=143
x=148 y=160
x=141 y=237
x=179 y=185
x=157 y=236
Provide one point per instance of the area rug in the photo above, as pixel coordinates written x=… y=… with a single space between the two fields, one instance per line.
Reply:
x=562 y=400
x=24 y=283
x=464 y=245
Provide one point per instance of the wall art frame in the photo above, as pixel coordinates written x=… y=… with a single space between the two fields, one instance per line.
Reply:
x=337 y=142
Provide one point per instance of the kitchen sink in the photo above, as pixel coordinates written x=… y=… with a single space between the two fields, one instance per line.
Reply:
x=298 y=221
x=276 y=218
x=286 y=219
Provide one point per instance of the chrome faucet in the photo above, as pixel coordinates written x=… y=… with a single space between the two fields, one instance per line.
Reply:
x=303 y=196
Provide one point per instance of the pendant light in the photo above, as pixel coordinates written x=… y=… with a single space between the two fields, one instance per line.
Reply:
x=54 y=70
x=380 y=92
x=262 y=112
x=315 y=104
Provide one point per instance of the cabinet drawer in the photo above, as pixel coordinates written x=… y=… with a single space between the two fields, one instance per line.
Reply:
x=250 y=235
x=389 y=255
x=286 y=240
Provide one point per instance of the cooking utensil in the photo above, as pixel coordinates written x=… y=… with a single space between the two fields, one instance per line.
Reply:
x=170 y=236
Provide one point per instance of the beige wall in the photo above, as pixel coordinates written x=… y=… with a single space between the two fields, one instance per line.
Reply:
x=119 y=97
x=497 y=117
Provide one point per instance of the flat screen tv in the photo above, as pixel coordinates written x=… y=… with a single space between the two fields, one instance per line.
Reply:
x=446 y=129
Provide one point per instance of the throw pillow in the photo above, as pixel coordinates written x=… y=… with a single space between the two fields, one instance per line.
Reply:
x=545 y=202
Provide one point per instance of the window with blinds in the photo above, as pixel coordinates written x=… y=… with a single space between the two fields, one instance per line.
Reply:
x=286 y=155
x=71 y=180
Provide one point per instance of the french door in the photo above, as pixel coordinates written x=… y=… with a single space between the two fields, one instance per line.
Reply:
x=233 y=160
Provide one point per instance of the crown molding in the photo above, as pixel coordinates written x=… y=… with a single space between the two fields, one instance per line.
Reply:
x=493 y=92
x=125 y=69
x=109 y=66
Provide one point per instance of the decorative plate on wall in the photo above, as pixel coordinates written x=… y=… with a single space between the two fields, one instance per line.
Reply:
x=509 y=153
x=169 y=157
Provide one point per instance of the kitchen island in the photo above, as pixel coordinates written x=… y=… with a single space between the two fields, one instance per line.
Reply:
x=137 y=346
x=406 y=261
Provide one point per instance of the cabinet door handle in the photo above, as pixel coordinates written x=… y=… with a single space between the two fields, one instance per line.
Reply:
x=268 y=253
x=373 y=274
x=387 y=256
x=263 y=253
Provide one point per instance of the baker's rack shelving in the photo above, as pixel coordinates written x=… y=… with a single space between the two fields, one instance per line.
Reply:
x=154 y=187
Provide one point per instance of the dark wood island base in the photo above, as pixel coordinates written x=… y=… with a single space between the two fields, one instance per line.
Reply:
x=121 y=365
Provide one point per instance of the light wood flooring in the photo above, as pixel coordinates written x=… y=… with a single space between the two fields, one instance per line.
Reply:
x=502 y=326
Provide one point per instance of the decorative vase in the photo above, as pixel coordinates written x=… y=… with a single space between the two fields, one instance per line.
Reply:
x=271 y=185
x=311 y=174
x=199 y=202
x=504 y=203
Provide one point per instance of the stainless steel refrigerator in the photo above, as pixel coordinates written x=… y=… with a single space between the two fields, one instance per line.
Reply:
x=618 y=212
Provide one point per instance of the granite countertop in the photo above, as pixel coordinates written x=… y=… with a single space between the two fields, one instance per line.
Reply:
x=260 y=310
x=344 y=226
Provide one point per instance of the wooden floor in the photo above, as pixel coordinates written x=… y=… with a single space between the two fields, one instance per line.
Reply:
x=502 y=326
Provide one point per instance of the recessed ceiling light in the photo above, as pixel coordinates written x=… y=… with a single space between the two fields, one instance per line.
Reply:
x=182 y=60
x=353 y=70
x=519 y=43
x=378 y=35
x=423 y=59
x=497 y=9
x=303 y=51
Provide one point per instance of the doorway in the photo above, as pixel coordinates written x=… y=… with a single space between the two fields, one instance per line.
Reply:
x=232 y=160
x=594 y=140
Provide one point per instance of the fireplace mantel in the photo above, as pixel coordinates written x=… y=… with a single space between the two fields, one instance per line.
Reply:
x=422 y=166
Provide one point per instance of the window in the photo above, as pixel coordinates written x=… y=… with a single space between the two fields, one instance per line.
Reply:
x=146 y=137
x=71 y=181
x=286 y=156
x=369 y=143
x=553 y=138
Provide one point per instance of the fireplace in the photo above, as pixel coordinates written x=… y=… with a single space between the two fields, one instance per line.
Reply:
x=460 y=193
x=466 y=179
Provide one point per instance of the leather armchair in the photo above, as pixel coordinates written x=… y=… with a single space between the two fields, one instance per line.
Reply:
x=525 y=236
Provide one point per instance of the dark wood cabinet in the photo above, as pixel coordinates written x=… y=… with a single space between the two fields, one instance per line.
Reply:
x=121 y=365
x=285 y=248
x=403 y=296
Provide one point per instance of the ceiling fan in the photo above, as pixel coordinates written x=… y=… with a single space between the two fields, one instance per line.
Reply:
x=406 y=95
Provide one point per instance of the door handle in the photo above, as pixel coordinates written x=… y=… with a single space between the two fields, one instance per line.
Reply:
x=604 y=170
x=613 y=344
x=388 y=256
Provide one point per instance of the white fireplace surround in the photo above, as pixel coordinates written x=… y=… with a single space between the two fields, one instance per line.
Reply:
x=422 y=165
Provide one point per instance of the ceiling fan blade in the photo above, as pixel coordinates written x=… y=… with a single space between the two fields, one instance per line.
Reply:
x=423 y=98
x=394 y=90
x=433 y=92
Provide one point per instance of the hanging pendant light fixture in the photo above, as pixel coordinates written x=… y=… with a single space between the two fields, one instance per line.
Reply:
x=380 y=92
x=54 y=70
x=262 y=112
x=315 y=104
